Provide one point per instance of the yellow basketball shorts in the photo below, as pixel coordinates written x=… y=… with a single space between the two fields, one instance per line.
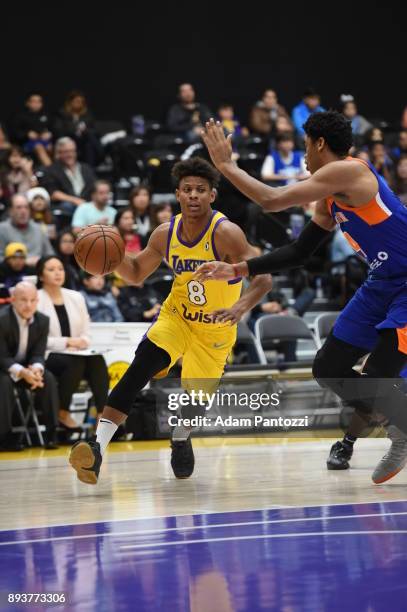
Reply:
x=204 y=352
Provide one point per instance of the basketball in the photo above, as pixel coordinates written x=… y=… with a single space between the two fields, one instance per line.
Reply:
x=99 y=249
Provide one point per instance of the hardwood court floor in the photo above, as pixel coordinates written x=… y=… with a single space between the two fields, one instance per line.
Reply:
x=40 y=489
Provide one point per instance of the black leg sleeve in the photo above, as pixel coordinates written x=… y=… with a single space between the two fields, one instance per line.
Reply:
x=148 y=361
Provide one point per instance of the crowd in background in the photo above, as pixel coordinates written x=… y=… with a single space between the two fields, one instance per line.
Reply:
x=60 y=172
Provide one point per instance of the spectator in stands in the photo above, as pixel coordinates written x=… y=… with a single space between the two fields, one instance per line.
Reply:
x=20 y=228
x=375 y=134
x=311 y=103
x=380 y=160
x=39 y=201
x=76 y=121
x=187 y=117
x=100 y=301
x=160 y=213
x=17 y=174
x=65 y=248
x=125 y=222
x=68 y=182
x=231 y=125
x=69 y=332
x=33 y=129
x=283 y=125
x=23 y=338
x=139 y=303
x=360 y=125
x=97 y=210
x=265 y=113
x=284 y=164
x=140 y=203
x=13 y=269
x=401 y=150
x=400 y=183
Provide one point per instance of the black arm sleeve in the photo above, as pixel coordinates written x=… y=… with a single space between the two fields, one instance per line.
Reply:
x=291 y=255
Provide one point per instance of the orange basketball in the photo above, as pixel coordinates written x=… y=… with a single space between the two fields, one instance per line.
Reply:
x=99 y=249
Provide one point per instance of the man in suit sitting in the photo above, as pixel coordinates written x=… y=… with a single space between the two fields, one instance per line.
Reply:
x=68 y=182
x=23 y=340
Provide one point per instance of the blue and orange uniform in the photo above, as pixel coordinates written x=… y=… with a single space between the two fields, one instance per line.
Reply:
x=184 y=327
x=377 y=230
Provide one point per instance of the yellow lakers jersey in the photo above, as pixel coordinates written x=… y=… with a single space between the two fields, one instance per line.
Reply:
x=195 y=301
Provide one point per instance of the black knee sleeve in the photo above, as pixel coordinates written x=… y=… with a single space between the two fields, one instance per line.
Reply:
x=148 y=361
x=335 y=360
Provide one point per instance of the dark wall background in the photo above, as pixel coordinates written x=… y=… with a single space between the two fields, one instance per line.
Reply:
x=130 y=58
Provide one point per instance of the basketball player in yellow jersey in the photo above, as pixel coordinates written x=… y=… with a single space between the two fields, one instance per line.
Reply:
x=197 y=322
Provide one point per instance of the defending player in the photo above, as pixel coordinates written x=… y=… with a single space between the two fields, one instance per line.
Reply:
x=351 y=193
x=185 y=326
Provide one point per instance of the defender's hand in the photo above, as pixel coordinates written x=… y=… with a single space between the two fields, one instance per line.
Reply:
x=219 y=146
x=215 y=270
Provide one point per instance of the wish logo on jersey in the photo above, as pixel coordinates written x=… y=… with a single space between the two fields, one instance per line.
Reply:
x=185 y=265
x=197 y=317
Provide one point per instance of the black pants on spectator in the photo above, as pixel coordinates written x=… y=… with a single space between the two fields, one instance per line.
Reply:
x=46 y=401
x=69 y=370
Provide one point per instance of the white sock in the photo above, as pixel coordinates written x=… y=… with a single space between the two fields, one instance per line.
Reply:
x=105 y=432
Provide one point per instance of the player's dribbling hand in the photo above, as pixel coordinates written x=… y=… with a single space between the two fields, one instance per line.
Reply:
x=228 y=315
x=214 y=270
x=218 y=145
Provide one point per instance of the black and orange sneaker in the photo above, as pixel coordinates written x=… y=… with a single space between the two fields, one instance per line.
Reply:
x=86 y=459
x=182 y=458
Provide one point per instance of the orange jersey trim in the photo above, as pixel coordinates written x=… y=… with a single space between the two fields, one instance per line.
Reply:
x=371 y=212
x=329 y=202
x=402 y=336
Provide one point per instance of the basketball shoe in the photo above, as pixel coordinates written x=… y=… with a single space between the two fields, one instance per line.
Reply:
x=339 y=456
x=182 y=458
x=86 y=459
x=395 y=458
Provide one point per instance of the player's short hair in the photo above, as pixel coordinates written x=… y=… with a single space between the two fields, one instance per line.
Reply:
x=195 y=166
x=333 y=127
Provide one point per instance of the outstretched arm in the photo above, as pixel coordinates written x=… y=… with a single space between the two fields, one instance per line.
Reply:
x=232 y=245
x=286 y=257
x=135 y=269
x=335 y=177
